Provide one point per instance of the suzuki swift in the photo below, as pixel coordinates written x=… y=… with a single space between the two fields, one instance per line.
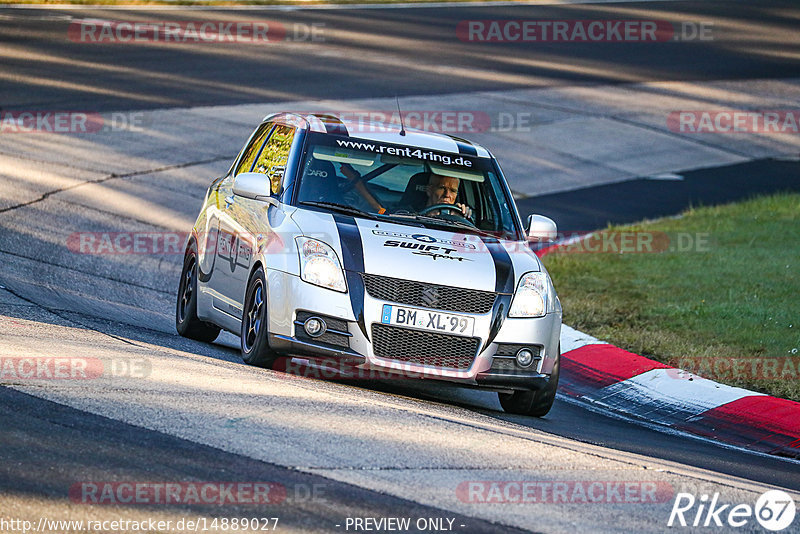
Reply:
x=382 y=248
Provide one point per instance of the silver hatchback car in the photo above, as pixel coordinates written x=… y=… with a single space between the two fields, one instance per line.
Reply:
x=380 y=248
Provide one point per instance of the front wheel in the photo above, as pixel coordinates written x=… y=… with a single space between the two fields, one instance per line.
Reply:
x=536 y=403
x=186 y=321
x=255 y=344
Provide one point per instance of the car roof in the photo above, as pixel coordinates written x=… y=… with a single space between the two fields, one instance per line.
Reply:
x=380 y=131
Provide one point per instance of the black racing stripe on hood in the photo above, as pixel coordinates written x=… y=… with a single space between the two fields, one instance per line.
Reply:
x=353 y=259
x=350 y=237
x=503 y=267
x=504 y=284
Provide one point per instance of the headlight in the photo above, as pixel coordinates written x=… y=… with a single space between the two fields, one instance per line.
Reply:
x=534 y=296
x=319 y=264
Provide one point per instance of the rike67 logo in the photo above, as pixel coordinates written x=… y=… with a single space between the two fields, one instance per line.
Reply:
x=774 y=510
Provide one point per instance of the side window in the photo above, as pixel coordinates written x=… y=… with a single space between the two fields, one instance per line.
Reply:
x=273 y=158
x=249 y=154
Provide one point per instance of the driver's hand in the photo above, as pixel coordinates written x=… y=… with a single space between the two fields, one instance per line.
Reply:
x=466 y=210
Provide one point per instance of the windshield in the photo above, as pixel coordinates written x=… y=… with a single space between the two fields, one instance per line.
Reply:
x=405 y=183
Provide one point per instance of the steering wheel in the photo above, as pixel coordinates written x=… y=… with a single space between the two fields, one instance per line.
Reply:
x=455 y=215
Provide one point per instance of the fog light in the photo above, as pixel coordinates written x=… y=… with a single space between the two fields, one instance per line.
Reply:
x=524 y=357
x=314 y=326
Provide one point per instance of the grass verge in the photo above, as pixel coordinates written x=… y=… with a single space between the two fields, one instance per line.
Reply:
x=717 y=293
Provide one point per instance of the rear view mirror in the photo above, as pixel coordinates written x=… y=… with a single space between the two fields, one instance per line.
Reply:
x=541 y=228
x=343 y=156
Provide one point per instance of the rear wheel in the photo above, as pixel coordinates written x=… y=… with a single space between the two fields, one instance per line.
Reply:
x=536 y=403
x=186 y=321
x=254 y=337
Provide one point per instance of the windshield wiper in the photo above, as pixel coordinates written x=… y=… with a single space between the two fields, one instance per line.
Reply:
x=339 y=207
x=342 y=208
x=446 y=223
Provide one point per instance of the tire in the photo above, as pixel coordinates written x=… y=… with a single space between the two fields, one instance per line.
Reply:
x=255 y=332
x=536 y=403
x=186 y=321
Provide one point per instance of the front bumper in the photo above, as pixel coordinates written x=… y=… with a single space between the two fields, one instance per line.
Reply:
x=289 y=295
x=302 y=347
x=531 y=381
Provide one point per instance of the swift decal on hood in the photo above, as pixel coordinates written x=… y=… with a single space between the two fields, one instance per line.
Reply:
x=430 y=255
x=426 y=250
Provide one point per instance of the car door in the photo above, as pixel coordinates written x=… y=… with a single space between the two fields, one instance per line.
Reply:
x=247 y=225
x=253 y=215
x=230 y=254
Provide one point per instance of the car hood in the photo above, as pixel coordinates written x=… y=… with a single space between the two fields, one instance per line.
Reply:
x=435 y=256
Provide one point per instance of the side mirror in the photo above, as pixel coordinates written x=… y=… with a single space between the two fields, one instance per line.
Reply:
x=254 y=185
x=541 y=228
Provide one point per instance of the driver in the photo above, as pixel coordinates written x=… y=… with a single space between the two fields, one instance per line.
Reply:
x=443 y=190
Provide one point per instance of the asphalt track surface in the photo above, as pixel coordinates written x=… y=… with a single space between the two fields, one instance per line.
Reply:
x=372 y=53
x=47 y=446
x=37 y=430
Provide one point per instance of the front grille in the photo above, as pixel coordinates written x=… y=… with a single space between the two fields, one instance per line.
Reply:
x=425 y=295
x=424 y=348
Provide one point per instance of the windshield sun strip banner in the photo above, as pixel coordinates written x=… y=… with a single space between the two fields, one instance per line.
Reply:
x=463 y=160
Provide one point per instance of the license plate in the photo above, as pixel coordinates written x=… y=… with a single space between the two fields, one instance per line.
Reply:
x=428 y=320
